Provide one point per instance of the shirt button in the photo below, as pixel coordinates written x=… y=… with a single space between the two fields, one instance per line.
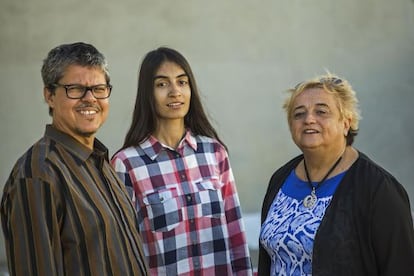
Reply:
x=189 y=198
x=183 y=176
x=192 y=221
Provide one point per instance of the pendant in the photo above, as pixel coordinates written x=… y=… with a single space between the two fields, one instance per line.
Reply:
x=310 y=200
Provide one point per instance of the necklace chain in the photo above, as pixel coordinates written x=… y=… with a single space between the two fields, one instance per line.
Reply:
x=310 y=200
x=314 y=188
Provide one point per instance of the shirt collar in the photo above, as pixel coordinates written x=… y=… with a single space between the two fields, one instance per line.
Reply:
x=152 y=147
x=73 y=146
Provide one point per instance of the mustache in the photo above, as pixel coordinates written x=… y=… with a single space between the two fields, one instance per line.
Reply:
x=89 y=105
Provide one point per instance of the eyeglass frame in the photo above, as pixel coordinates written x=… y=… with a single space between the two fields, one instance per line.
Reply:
x=334 y=80
x=85 y=90
x=324 y=80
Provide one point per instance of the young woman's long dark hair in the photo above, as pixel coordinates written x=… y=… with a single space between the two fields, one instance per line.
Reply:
x=144 y=118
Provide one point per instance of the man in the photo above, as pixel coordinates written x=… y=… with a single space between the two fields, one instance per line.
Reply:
x=64 y=211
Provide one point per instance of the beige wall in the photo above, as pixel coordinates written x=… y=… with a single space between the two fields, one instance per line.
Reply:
x=244 y=55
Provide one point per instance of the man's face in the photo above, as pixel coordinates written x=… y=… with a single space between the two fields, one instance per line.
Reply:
x=80 y=118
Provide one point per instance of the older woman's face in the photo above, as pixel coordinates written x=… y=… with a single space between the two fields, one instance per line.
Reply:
x=315 y=121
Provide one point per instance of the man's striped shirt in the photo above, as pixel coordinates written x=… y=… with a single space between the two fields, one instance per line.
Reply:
x=65 y=212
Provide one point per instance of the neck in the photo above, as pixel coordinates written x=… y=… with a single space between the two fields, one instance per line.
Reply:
x=321 y=166
x=86 y=141
x=85 y=138
x=170 y=134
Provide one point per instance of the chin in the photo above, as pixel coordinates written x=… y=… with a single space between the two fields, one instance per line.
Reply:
x=87 y=133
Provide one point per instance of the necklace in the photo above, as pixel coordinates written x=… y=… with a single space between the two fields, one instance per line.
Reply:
x=310 y=200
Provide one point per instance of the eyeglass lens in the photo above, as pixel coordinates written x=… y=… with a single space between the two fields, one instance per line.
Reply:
x=101 y=91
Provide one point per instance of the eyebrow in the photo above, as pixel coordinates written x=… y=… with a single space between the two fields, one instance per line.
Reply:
x=165 y=77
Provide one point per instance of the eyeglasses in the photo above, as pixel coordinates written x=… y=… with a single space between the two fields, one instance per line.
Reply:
x=333 y=80
x=325 y=81
x=76 y=91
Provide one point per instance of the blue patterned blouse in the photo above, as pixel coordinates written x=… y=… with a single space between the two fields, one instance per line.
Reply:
x=289 y=230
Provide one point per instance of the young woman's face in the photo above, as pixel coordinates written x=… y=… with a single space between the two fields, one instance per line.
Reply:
x=316 y=122
x=172 y=92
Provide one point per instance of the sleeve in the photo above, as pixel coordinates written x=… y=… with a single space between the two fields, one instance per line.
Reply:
x=392 y=229
x=264 y=263
x=122 y=172
x=29 y=216
x=239 y=251
x=275 y=183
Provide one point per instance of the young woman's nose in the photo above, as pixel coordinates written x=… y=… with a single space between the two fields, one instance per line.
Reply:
x=174 y=90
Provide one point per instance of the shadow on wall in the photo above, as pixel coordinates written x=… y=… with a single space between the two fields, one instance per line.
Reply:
x=3 y=269
x=252 y=225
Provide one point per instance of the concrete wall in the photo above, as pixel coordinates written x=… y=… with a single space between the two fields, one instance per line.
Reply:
x=244 y=55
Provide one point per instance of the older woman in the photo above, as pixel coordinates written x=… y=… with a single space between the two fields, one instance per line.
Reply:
x=332 y=210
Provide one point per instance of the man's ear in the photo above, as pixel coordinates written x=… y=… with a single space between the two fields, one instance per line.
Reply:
x=49 y=96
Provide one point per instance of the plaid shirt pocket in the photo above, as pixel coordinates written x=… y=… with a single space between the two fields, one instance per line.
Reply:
x=210 y=199
x=163 y=209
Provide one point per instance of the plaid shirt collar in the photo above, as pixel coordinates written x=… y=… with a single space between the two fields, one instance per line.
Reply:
x=152 y=147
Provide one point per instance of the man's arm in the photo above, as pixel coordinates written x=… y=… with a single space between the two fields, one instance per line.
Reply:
x=30 y=228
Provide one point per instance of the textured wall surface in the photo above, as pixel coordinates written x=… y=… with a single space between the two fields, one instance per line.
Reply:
x=244 y=55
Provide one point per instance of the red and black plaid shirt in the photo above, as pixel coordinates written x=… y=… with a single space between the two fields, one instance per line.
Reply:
x=188 y=207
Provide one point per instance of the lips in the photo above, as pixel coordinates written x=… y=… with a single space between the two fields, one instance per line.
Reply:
x=88 y=112
x=310 y=131
x=175 y=104
x=88 y=109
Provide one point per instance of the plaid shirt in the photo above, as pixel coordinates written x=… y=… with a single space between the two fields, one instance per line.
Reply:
x=188 y=208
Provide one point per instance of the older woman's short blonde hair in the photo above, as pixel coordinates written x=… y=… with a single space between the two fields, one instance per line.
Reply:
x=342 y=91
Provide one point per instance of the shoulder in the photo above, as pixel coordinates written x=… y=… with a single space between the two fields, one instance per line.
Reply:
x=205 y=139
x=126 y=153
x=128 y=157
x=284 y=170
x=36 y=159
x=276 y=181
x=373 y=181
x=209 y=144
x=37 y=164
x=369 y=171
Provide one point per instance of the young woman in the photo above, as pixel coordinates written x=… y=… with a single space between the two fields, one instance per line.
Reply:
x=179 y=176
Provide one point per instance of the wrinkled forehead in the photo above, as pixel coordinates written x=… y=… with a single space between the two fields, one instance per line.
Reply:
x=314 y=96
x=79 y=69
